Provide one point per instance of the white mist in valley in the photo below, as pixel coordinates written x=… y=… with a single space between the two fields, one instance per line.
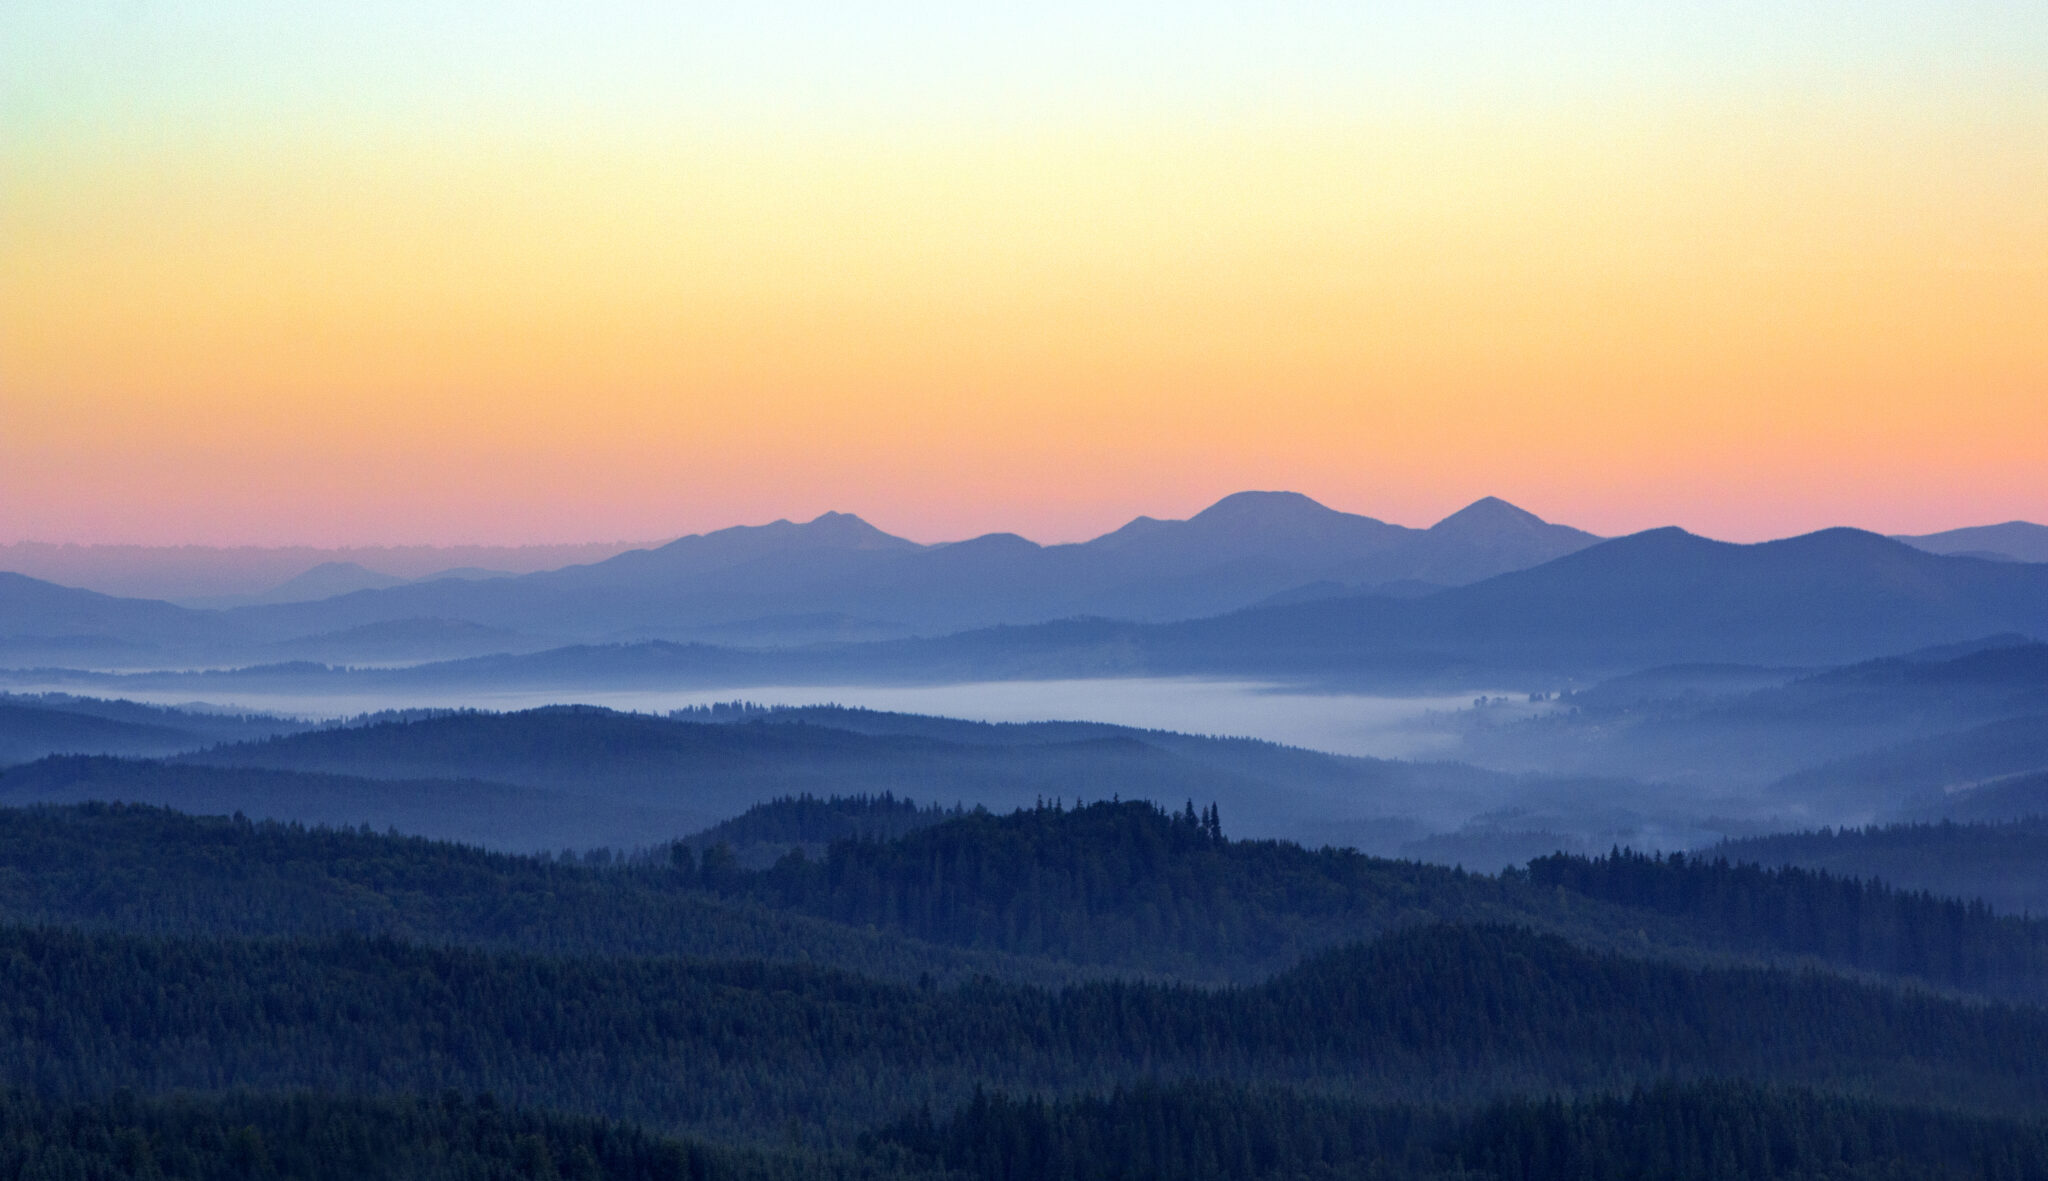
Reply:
x=1377 y=726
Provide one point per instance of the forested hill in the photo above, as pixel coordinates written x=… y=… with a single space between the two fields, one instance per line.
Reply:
x=323 y=1137
x=1437 y=1014
x=1854 y=923
x=765 y=833
x=686 y=775
x=1127 y=884
x=157 y=872
x=2001 y=862
x=39 y=724
x=1701 y=1132
x=412 y=1007
x=1202 y=1132
x=1044 y=894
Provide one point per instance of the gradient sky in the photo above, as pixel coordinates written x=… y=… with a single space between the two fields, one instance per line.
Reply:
x=504 y=272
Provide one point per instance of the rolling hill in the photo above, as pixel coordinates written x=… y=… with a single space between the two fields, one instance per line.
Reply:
x=654 y=778
x=2014 y=541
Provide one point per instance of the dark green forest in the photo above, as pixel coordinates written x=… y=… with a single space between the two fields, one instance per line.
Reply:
x=1692 y=1132
x=1107 y=991
x=241 y=1135
x=1044 y=895
x=1456 y=1013
x=762 y=834
x=1200 y=1132
x=1851 y=922
x=1999 y=861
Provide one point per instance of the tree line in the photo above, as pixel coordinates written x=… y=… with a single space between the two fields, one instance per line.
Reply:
x=1456 y=1012
x=1200 y=1132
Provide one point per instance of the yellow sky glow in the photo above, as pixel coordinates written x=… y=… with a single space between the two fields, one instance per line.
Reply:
x=1704 y=313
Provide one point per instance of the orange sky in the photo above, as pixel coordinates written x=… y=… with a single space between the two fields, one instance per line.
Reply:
x=1750 y=300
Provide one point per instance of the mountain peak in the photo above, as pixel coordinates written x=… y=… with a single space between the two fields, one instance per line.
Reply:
x=1490 y=513
x=1262 y=519
x=828 y=530
x=849 y=531
x=1252 y=507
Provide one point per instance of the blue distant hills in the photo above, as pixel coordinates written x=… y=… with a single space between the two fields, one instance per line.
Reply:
x=1266 y=583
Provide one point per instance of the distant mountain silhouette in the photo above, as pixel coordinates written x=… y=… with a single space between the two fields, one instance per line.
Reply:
x=2016 y=541
x=1928 y=776
x=1485 y=538
x=1657 y=598
x=774 y=584
x=701 y=553
x=404 y=641
x=38 y=725
x=41 y=622
x=1284 y=525
x=324 y=581
x=203 y=575
x=31 y=731
x=1660 y=597
x=2014 y=797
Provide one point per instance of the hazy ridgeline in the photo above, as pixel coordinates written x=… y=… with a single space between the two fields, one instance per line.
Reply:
x=1260 y=585
x=1757 y=833
x=1657 y=691
x=1674 y=758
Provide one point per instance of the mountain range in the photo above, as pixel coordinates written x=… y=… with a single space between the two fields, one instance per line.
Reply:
x=810 y=582
x=208 y=575
x=1260 y=583
x=832 y=579
x=2014 y=541
x=1658 y=598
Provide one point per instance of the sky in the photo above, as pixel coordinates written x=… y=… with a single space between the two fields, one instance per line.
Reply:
x=401 y=273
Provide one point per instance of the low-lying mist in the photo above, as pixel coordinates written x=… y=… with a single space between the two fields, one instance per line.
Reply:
x=1370 y=725
x=1666 y=759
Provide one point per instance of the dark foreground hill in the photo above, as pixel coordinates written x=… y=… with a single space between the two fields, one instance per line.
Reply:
x=155 y=872
x=324 y=1137
x=1667 y=1133
x=1204 y=1132
x=214 y=997
x=1040 y=895
x=1446 y=1014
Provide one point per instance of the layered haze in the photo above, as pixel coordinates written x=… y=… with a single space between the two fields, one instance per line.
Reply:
x=1538 y=687
x=333 y=343
x=911 y=591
